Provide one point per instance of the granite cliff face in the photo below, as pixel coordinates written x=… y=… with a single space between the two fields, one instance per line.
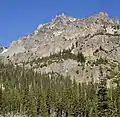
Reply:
x=47 y=48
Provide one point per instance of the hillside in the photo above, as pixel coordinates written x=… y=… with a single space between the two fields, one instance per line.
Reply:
x=69 y=67
x=61 y=44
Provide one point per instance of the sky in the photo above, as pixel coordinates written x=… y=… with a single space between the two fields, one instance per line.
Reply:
x=21 y=17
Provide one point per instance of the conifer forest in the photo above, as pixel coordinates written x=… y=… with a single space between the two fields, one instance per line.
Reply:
x=27 y=93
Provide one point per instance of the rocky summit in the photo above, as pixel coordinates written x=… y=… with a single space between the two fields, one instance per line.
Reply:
x=69 y=46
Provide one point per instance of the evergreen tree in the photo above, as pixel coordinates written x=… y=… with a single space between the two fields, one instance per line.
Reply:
x=80 y=58
x=102 y=96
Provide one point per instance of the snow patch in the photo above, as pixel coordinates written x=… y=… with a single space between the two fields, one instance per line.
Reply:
x=72 y=19
x=57 y=33
x=5 y=50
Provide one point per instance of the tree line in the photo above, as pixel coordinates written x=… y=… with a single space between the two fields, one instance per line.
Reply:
x=25 y=92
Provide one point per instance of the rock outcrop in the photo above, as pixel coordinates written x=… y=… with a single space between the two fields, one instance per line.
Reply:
x=96 y=36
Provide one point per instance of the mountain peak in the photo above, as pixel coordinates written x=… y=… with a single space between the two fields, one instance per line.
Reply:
x=60 y=34
x=102 y=14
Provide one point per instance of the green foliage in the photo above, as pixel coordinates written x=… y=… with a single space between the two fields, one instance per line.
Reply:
x=80 y=58
x=34 y=94
x=57 y=57
x=100 y=61
x=102 y=105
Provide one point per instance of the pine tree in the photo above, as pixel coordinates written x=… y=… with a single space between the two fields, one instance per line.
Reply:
x=1 y=101
x=102 y=96
x=80 y=58
x=43 y=105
